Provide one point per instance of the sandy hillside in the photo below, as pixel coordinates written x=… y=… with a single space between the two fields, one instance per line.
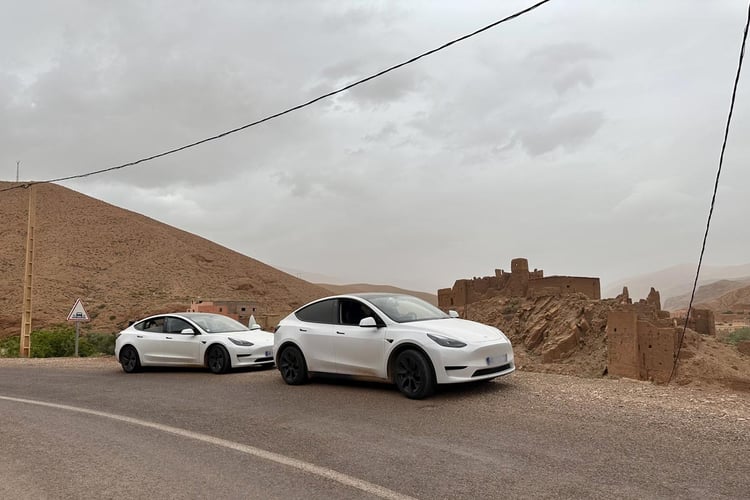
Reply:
x=122 y=265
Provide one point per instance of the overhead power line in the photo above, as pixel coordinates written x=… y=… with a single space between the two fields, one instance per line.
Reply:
x=288 y=110
x=716 y=188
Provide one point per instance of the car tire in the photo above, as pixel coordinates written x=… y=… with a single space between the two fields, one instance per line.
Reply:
x=292 y=366
x=217 y=359
x=413 y=375
x=129 y=359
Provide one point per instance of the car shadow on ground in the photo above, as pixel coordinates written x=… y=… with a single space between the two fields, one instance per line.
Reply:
x=203 y=369
x=468 y=389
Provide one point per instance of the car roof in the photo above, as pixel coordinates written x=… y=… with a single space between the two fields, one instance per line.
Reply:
x=184 y=315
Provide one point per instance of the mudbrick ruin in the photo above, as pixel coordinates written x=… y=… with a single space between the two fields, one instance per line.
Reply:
x=562 y=321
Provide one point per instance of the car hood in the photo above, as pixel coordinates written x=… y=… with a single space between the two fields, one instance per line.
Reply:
x=460 y=329
x=259 y=337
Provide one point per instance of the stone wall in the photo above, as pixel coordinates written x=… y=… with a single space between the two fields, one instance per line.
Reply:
x=702 y=321
x=638 y=348
x=520 y=282
x=565 y=285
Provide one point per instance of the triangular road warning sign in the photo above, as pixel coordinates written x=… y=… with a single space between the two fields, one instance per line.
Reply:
x=78 y=313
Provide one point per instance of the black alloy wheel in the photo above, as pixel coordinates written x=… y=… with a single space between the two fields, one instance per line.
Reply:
x=414 y=376
x=129 y=359
x=292 y=366
x=217 y=359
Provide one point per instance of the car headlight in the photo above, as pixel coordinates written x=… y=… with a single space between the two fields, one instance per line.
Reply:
x=446 y=342
x=244 y=343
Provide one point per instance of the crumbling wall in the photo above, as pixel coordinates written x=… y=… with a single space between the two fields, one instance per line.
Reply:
x=622 y=344
x=638 y=348
x=702 y=321
x=520 y=282
x=566 y=284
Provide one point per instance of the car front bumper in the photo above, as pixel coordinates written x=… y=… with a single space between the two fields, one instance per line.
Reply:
x=256 y=356
x=478 y=362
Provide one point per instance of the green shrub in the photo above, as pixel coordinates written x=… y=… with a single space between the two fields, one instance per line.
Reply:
x=59 y=341
x=10 y=347
x=738 y=336
x=101 y=343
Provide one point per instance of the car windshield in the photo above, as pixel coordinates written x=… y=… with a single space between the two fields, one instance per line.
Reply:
x=216 y=323
x=405 y=308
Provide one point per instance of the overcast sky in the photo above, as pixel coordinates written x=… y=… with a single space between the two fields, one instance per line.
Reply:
x=584 y=135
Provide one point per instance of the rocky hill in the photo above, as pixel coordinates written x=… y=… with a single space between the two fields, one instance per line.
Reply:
x=707 y=294
x=123 y=265
x=737 y=300
x=568 y=335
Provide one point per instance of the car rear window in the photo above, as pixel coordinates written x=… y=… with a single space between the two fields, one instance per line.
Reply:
x=319 y=312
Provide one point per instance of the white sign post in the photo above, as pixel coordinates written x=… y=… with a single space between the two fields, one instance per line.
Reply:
x=78 y=314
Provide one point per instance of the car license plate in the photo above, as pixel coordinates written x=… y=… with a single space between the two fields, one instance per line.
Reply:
x=496 y=360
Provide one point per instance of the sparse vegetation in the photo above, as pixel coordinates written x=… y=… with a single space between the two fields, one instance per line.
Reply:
x=59 y=341
x=511 y=307
x=738 y=336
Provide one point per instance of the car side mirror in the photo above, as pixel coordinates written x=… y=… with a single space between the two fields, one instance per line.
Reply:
x=453 y=314
x=255 y=326
x=368 y=322
x=188 y=331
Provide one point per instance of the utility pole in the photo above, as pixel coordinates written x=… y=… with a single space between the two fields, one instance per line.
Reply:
x=18 y=165
x=24 y=350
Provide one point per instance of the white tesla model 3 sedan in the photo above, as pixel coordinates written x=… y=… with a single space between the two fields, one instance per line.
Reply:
x=392 y=337
x=193 y=339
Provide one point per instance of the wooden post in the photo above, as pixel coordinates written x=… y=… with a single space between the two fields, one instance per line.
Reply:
x=25 y=347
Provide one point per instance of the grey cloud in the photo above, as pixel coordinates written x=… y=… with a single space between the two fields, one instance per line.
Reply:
x=563 y=54
x=385 y=133
x=567 y=131
x=575 y=77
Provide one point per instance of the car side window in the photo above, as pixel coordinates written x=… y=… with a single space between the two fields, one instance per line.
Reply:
x=319 y=312
x=155 y=325
x=351 y=312
x=176 y=325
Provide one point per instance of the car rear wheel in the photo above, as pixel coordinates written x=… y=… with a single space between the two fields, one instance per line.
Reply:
x=129 y=359
x=413 y=375
x=292 y=366
x=217 y=359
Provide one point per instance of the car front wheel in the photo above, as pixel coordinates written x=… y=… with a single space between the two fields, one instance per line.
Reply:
x=413 y=375
x=292 y=366
x=217 y=359
x=129 y=359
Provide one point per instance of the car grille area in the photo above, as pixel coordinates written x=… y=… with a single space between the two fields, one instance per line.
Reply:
x=489 y=371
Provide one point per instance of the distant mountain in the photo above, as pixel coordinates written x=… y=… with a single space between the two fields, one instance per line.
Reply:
x=677 y=280
x=713 y=293
x=123 y=265
x=363 y=287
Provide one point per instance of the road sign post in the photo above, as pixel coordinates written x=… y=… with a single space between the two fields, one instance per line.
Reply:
x=78 y=314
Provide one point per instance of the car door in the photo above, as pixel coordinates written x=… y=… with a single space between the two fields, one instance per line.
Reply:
x=314 y=335
x=150 y=340
x=359 y=350
x=181 y=348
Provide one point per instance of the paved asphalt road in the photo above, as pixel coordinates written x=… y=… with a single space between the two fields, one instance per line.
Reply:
x=190 y=434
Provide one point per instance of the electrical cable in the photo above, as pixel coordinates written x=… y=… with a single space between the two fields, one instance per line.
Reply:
x=713 y=197
x=288 y=110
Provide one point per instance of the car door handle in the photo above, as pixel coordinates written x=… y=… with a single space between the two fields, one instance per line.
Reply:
x=340 y=333
x=303 y=329
x=139 y=336
x=170 y=338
